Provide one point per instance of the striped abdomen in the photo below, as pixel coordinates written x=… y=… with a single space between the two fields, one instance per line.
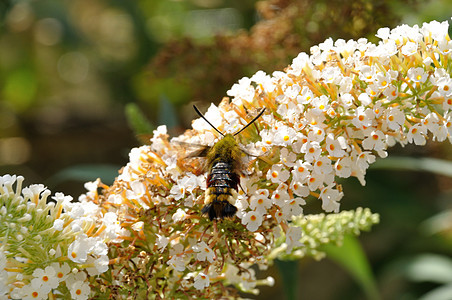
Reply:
x=222 y=183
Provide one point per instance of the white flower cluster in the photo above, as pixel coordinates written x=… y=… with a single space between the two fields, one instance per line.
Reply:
x=328 y=116
x=332 y=112
x=50 y=248
x=153 y=179
x=324 y=229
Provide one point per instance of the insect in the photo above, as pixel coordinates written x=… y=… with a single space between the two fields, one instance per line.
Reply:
x=224 y=164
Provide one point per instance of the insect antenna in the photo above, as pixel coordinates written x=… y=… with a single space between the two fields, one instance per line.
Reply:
x=251 y=122
x=201 y=115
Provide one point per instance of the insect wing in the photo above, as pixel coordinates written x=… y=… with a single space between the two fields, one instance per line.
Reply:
x=192 y=157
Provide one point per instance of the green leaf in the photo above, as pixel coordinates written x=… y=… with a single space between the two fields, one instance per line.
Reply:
x=167 y=113
x=441 y=293
x=20 y=88
x=353 y=259
x=84 y=173
x=434 y=165
x=430 y=267
x=137 y=120
x=289 y=273
x=437 y=223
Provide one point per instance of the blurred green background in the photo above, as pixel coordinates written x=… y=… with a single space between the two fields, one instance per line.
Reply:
x=78 y=79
